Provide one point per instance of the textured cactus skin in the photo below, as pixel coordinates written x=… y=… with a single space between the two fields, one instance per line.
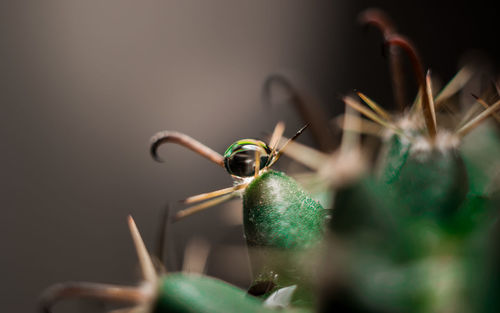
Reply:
x=281 y=222
x=277 y=213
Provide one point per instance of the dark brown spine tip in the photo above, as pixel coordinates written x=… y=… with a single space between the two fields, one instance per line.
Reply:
x=162 y=234
x=300 y=131
x=409 y=48
x=154 y=152
x=186 y=141
x=475 y=96
x=156 y=141
x=378 y=18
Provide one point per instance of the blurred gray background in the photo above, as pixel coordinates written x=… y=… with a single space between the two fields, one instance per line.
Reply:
x=84 y=84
